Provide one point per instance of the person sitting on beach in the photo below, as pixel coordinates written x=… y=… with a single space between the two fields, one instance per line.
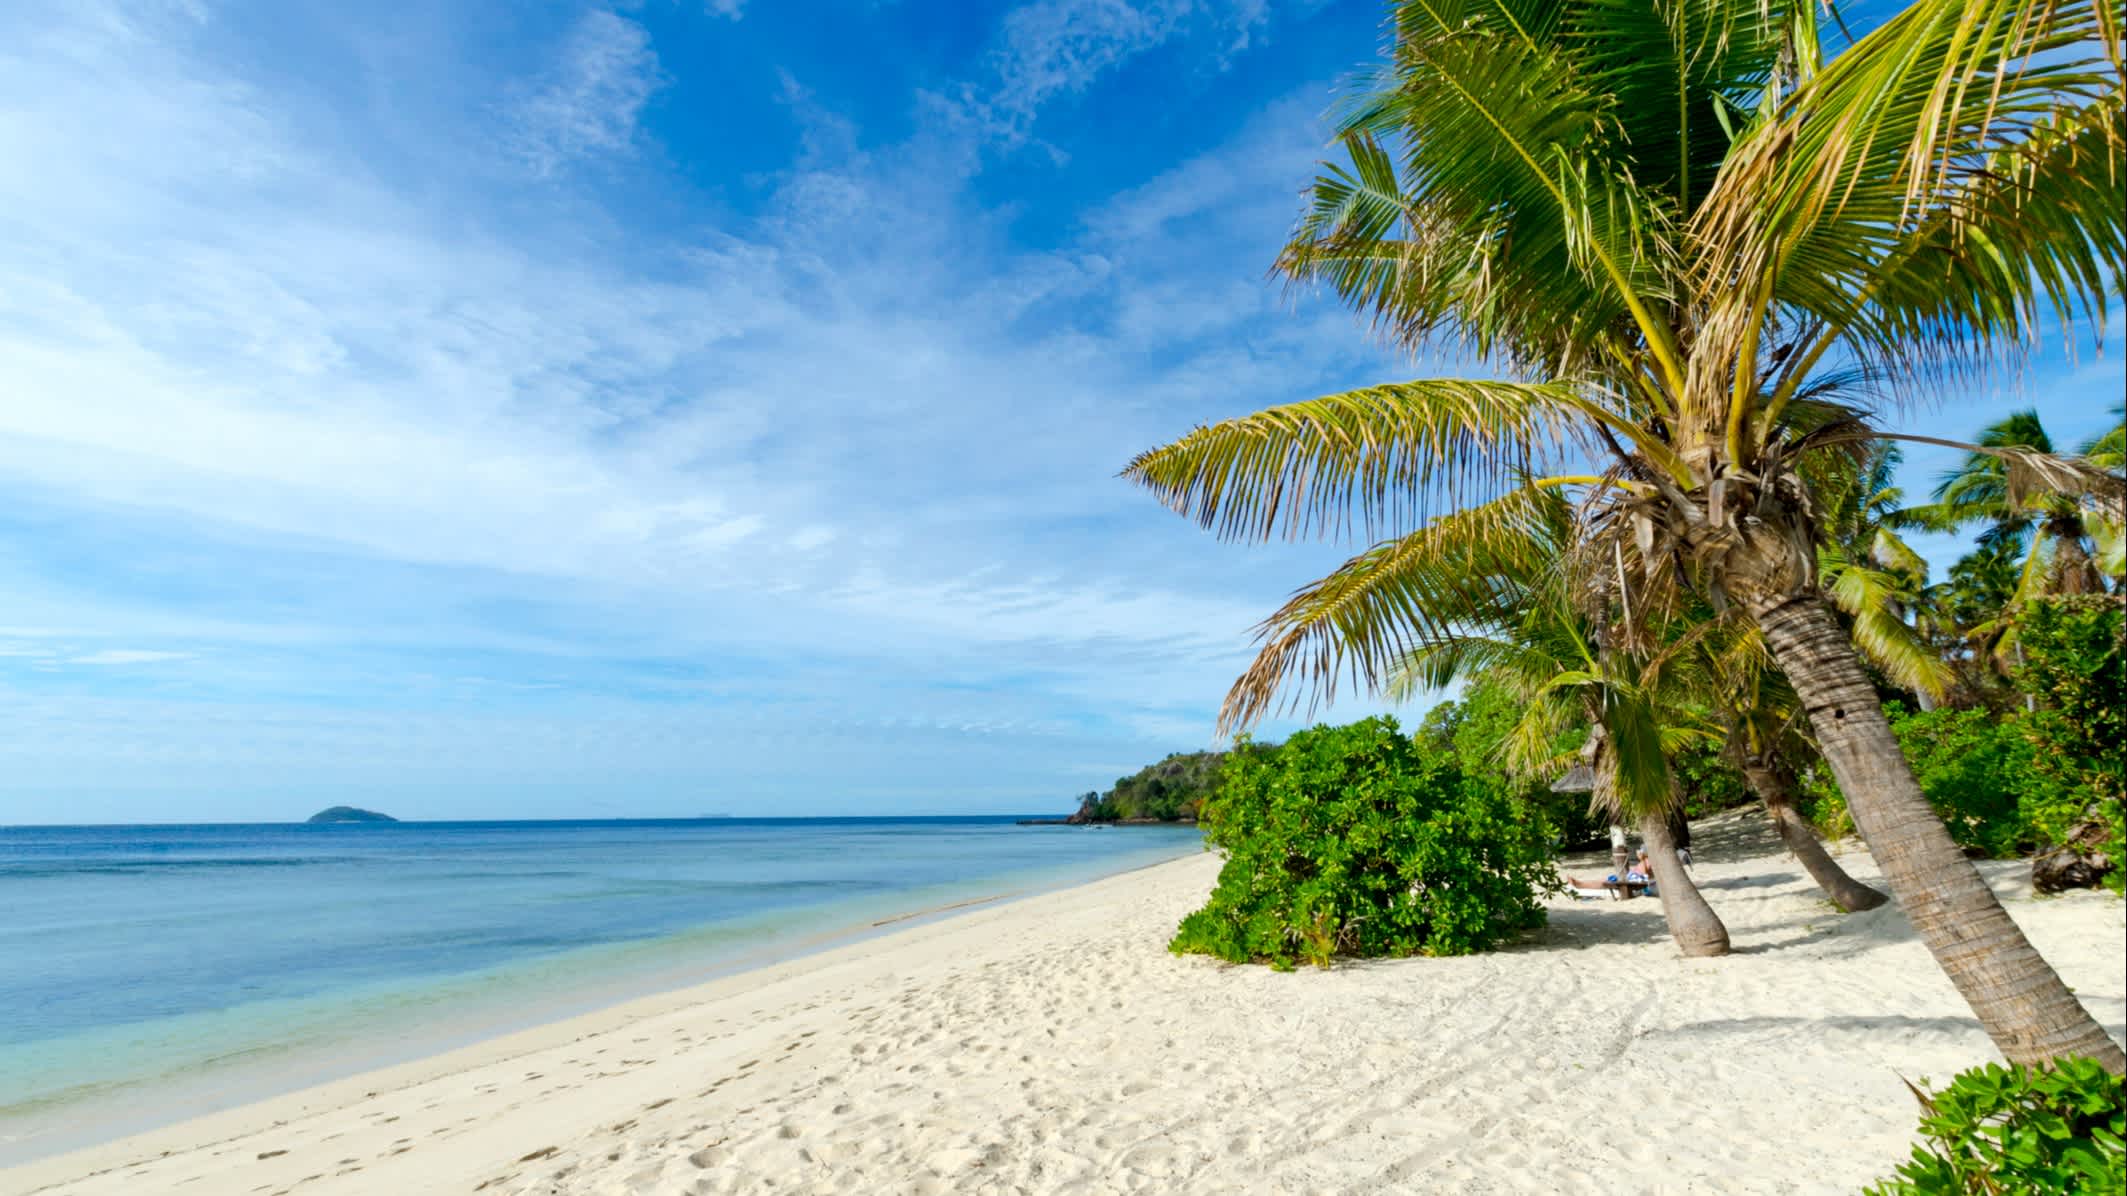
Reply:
x=1641 y=873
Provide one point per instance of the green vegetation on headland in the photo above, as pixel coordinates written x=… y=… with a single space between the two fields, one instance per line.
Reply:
x=349 y=814
x=1169 y=791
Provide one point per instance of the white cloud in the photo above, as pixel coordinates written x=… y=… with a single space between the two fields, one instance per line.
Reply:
x=589 y=103
x=855 y=455
x=729 y=9
x=1055 y=48
x=128 y=656
x=805 y=539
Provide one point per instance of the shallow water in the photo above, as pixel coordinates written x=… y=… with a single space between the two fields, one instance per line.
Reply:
x=152 y=973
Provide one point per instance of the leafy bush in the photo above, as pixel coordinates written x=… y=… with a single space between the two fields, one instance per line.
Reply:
x=1708 y=782
x=2016 y=1129
x=1473 y=731
x=1359 y=841
x=2074 y=664
x=1973 y=766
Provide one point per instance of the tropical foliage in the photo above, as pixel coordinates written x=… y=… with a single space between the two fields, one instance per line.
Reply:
x=2014 y=779
x=2068 y=542
x=1703 y=252
x=1975 y=768
x=2076 y=667
x=1362 y=841
x=1475 y=729
x=2055 y=1131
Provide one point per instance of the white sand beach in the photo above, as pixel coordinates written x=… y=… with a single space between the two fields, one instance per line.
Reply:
x=1053 y=1045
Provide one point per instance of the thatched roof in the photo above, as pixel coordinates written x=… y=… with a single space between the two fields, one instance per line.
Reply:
x=1578 y=779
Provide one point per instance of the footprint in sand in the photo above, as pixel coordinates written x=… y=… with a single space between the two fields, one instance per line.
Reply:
x=709 y=1156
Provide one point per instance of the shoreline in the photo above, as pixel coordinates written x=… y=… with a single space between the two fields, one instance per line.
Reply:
x=1049 y=1043
x=463 y=1017
x=106 y=1160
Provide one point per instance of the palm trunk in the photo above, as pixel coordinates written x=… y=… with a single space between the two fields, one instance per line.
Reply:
x=1692 y=923
x=2018 y=997
x=1774 y=785
x=2073 y=572
x=1680 y=828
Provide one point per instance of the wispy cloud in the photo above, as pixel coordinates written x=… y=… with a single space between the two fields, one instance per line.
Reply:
x=1052 y=49
x=590 y=101
x=120 y=656
x=347 y=443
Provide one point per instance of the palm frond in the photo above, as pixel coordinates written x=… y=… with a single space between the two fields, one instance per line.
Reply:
x=1871 y=599
x=1438 y=663
x=1377 y=454
x=1927 y=194
x=1434 y=585
x=1522 y=232
x=1632 y=776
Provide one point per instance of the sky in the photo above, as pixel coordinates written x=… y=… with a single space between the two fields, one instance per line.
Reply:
x=657 y=409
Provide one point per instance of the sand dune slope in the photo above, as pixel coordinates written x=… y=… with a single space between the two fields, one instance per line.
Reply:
x=1052 y=1045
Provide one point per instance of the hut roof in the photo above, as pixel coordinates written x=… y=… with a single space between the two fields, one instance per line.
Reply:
x=1578 y=779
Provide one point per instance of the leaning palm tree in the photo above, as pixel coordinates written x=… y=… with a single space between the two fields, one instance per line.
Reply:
x=1700 y=255
x=1765 y=741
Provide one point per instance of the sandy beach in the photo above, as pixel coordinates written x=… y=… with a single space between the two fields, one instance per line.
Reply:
x=1053 y=1045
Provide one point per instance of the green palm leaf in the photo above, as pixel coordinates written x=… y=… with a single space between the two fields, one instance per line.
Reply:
x=1377 y=454
x=1923 y=196
x=1524 y=232
x=1433 y=586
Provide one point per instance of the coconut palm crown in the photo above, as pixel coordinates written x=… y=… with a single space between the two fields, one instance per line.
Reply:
x=2070 y=543
x=1701 y=255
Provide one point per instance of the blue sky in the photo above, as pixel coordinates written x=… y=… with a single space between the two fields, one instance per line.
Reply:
x=554 y=410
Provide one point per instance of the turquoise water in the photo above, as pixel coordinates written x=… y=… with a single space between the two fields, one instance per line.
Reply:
x=153 y=973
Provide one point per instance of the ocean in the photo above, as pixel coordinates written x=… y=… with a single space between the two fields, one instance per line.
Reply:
x=153 y=973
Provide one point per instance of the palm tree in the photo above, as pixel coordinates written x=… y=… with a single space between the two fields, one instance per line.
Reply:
x=1765 y=741
x=1532 y=635
x=2056 y=533
x=1963 y=617
x=1700 y=254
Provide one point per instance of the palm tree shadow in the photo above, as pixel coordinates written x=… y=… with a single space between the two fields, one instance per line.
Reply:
x=1740 y=833
x=1747 y=882
x=1858 y=1023
x=1587 y=924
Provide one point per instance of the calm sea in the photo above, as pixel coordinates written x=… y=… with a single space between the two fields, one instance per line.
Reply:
x=149 y=973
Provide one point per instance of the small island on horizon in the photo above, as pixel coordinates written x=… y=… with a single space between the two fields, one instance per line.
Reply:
x=349 y=814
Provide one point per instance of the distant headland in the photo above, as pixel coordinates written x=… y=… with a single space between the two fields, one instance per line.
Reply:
x=1168 y=792
x=350 y=814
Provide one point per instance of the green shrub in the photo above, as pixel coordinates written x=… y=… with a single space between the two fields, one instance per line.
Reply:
x=1708 y=783
x=1974 y=768
x=2074 y=665
x=1359 y=841
x=1475 y=728
x=2020 y=1130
